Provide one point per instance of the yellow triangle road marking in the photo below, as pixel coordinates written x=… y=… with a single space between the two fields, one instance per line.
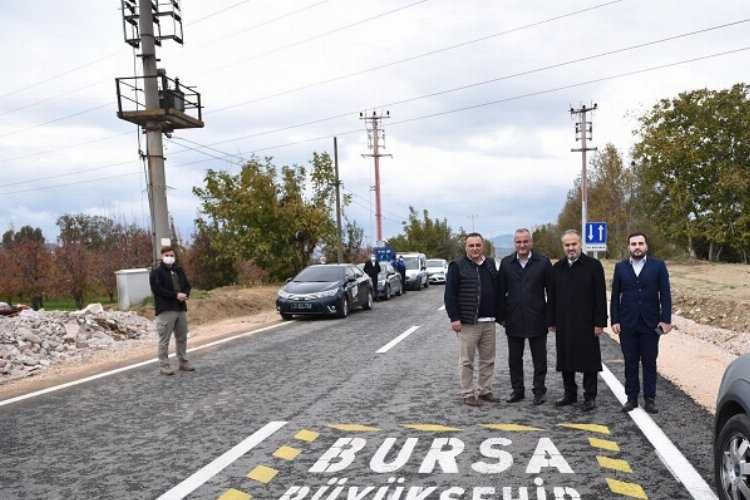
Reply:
x=600 y=429
x=604 y=444
x=308 y=436
x=631 y=490
x=263 y=474
x=287 y=453
x=431 y=427
x=510 y=427
x=232 y=494
x=614 y=464
x=353 y=427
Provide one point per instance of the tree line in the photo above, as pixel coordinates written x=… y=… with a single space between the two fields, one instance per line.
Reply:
x=688 y=186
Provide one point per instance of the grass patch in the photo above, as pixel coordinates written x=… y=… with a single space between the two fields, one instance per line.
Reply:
x=68 y=304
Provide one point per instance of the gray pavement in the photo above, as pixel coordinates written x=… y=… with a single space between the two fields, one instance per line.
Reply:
x=137 y=434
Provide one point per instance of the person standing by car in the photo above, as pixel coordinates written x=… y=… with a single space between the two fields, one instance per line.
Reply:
x=471 y=301
x=578 y=301
x=171 y=290
x=400 y=266
x=641 y=310
x=526 y=280
x=372 y=269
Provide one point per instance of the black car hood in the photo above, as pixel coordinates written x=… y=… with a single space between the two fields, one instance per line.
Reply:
x=310 y=286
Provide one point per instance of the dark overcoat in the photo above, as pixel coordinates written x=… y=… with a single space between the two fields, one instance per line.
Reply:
x=524 y=292
x=372 y=270
x=579 y=303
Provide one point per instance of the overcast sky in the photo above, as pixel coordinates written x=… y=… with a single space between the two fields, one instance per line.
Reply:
x=63 y=150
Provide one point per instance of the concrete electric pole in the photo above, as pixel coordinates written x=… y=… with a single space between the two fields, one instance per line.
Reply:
x=161 y=105
x=339 y=250
x=584 y=133
x=376 y=140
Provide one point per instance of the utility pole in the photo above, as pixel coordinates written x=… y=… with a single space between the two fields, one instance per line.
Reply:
x=584 y=133
x=161 y=105
x=473 y=227
x=339 y=249
x=376 y=140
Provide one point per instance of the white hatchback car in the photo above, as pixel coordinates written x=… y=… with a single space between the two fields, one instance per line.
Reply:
x=436 y=270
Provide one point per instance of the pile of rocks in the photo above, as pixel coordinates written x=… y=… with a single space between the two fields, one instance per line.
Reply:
x=33 y=341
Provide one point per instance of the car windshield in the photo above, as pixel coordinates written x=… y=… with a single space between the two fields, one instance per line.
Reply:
x=321 y=273
x=411 y=262
x=435 y=263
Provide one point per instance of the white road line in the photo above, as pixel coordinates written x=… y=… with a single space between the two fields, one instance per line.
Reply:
x=398 y=339
x=195 y=481
x=667 y=452
x=441 y=308
x=130 y=367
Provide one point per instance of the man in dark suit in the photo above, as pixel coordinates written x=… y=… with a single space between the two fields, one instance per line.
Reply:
x=524 y=287
x=641 y=311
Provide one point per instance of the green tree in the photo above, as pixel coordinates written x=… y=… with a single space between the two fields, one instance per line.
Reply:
x=433 y=237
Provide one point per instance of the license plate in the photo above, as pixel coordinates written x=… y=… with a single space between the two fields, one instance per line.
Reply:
x=301 y=306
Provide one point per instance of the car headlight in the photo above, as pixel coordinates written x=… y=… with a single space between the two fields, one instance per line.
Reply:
x=381 y=282
x=327 y=293
x=283 y=294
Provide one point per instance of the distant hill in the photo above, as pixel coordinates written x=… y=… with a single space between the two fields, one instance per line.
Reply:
x=503 y=244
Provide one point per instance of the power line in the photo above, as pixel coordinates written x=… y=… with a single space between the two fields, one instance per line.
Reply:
x=217 y=12
x=53 y=98
x=319 y=35
x=461 y=109
x=59 y=118
x=62 y=148
x=414 y=57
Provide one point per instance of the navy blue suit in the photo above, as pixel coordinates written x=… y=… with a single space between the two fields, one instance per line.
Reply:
x=639 y=304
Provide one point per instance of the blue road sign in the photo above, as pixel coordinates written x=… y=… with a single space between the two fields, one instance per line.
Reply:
x=384 y=253
x=596 y=233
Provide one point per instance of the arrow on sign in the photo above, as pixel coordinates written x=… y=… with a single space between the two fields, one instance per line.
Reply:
x=591 y=232
x=601 y=232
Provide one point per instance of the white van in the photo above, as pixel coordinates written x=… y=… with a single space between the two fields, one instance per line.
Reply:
x=416 y=270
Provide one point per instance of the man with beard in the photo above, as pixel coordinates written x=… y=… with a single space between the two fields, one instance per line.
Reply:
x=526 y=277
x=578 y=301
x=641 y=310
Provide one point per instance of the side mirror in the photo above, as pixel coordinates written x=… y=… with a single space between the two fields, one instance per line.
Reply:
x=287 y=280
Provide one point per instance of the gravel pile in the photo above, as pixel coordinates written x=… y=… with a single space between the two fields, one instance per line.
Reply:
x=33 y=341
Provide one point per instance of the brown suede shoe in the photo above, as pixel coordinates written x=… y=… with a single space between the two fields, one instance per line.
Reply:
x=185 y=366
x=166 y=370
x=489 y=398
x=472 y=401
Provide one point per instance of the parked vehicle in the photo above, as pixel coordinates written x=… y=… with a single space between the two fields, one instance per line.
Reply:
x=389 y=281
x=330 y=289
x=416 y=270
x=436 y=270
x=732 y=432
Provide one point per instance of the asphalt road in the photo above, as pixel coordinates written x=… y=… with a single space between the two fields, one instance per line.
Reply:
x=312 y=410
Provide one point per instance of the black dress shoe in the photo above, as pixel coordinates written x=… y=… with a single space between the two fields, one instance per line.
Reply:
x=539 y=399
x=650 y=406
x=565 y=401
x=489 y=398
x=630 y=405
x=588 y=405
x=515 y=397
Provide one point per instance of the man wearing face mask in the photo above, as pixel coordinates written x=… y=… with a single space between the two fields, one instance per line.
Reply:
x=372 y=269
x=171 y=290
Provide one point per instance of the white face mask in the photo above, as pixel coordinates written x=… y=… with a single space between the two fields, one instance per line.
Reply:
x=168 y=260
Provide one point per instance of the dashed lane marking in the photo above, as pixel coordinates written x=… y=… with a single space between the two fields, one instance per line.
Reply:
x=431 y=427
x=398 y=339
x=511 y=427
x=207 y=472
x=353 y=428
x=262 y=474
x=604 y=444
x=614 y=464
x=233 y=494
x=306 y=436
x=133 y=366
x=631 y=490
x=667 y=452
x=599 y=429
x=441 y=308
x=287 y=453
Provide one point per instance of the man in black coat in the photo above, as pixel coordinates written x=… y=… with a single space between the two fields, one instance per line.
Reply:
x=372 y=269
x=579 y=315
x=526 y=280
x=641 y=310
x=171 y=290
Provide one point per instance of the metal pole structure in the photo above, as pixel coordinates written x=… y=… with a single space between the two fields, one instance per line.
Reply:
x=375 y=132
x=339 y=249
x=157 y=184
x=583 y=131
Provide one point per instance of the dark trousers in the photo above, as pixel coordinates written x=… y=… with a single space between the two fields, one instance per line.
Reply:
x=640 y=347
x=589 y=384
x=538 y=347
